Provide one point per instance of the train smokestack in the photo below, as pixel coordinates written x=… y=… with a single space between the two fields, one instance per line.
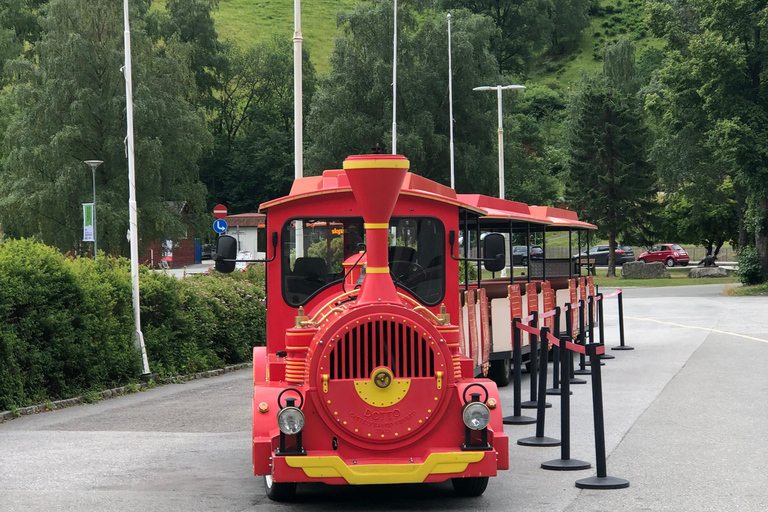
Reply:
x=376 y=181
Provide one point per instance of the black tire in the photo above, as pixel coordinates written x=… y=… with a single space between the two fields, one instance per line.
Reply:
x=684 y=264
x=500 y=372
x=670 y=262
x=641 y=260
x=470 y=487
x=279 y=491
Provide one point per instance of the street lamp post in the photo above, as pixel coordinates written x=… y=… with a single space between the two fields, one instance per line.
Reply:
x=498 y=89
x=94 y=164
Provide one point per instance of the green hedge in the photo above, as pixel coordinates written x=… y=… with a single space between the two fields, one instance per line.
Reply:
x=66 y=325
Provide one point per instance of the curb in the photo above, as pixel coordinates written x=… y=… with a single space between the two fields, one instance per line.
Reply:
x=115 y=392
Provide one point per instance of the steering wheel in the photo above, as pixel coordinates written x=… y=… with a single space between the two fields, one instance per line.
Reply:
x=414 y=273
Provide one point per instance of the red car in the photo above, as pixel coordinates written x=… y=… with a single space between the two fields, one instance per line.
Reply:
x=669 y=254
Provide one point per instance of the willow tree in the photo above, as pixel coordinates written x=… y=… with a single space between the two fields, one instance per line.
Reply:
x=67 y=104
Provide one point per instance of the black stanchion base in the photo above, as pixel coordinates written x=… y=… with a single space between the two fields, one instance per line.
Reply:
x=602 y=482
x=556 y=391
x=578 y=381
x=565 y=465
x=538 y=441
x=607 y=356
x=623 y=347
x=588 y=363
x=530 y=404
x=518 y=420
x=582 y=372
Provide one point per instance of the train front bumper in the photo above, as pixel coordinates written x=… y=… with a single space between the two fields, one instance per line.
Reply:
x=435 y=467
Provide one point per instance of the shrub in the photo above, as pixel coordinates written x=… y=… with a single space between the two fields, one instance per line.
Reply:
x=751 y=270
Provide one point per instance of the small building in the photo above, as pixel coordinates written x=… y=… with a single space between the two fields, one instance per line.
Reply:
x=250 y=232
x=175 y=254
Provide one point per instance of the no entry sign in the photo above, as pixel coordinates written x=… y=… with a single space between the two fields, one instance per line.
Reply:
x=219 y=211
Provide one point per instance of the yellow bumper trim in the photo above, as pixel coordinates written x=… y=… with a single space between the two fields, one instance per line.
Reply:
x=364 y=474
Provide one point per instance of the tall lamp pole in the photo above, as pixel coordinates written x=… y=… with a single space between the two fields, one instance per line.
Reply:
x=498 y=89
x=132 y=213
x=94 y=164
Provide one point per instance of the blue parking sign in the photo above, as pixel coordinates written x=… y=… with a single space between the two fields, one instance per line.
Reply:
x=220 y=226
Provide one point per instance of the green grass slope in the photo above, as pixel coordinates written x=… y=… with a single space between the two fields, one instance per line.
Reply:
x=246 y=22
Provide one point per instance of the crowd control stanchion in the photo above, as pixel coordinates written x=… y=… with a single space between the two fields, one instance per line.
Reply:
x=602 y=480
x=599 y=300
x=517 y=358
x=555 y=389
x=535 y=341
x=582 y=341
x=540 y=439
x=591 y=323
x=565 y=462
x=568 y=353
x=621 y=345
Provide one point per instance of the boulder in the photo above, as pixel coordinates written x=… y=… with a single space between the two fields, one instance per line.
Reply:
x=640 y=270
x=708 y=272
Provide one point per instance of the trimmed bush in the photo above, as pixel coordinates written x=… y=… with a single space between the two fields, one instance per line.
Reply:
x=67 y=327
x=751 y=271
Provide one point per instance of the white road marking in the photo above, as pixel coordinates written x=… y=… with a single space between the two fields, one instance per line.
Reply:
x=696 y=327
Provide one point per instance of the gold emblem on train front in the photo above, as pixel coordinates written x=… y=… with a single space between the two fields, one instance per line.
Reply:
x=382 y=389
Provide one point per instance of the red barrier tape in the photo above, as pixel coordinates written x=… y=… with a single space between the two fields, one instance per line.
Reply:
x=553 y=339
x=575 y=347
x=547 y=314
x=612 y=294
x=527 y=328
x=528 y=319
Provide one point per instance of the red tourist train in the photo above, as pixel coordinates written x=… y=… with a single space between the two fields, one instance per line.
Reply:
x=366 y=377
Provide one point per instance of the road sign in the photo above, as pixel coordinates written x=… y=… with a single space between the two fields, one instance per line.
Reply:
x=219 y=211
x=220 y=226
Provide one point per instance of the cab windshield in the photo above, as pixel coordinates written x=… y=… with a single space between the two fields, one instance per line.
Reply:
x=313 y=250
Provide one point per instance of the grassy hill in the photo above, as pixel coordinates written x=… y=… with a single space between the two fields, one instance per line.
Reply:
x=248 y=21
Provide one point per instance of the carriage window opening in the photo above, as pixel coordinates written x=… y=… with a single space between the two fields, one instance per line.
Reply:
x=313 y=252
x=417 y=257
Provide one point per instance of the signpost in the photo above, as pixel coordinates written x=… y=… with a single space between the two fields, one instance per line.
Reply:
x=220 y=226
x=219 y=211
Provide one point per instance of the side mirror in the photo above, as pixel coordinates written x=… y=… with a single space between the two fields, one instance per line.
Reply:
x=226 y=254
x=494 y=252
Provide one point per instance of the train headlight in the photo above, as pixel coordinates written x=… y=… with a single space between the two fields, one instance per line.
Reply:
x=290 y=420
x=476 y=415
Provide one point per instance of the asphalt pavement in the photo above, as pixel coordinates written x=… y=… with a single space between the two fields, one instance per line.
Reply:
x=686 y=419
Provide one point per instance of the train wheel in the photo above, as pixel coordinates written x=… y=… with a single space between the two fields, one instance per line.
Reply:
x=279 y=491
x=500 y=372
x=470 y=487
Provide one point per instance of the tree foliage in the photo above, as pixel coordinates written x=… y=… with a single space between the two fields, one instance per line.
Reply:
x=711 y=104
x=611 y=183
x=68 y=105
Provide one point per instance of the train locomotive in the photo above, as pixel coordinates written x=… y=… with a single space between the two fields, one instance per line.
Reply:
x=363 y=379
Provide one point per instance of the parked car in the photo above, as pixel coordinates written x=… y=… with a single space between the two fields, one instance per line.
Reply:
x=207 y=252
x=599 y=253
x=669 y=254
x=520 y=254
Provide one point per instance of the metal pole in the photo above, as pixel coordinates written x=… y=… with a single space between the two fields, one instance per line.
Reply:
x=298 y=115
x=132 y=192
x=501 y=148
x=95 y=231
x=394 y=86
x=450 y=99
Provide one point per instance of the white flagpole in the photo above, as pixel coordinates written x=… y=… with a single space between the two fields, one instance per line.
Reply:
x=298 y=144
x=394 y=88
x=450 y=98
x=132 y=192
